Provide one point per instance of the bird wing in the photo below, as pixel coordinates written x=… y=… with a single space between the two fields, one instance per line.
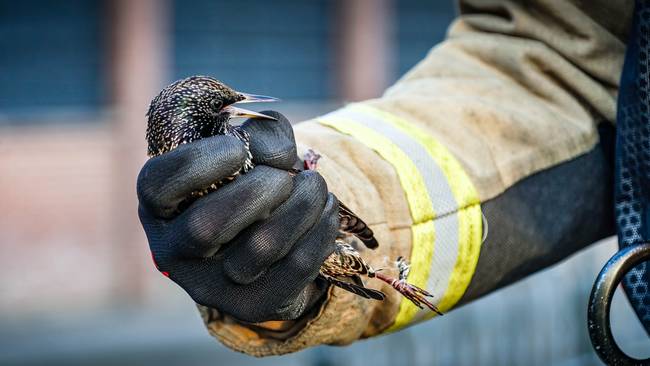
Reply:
x=352 y=224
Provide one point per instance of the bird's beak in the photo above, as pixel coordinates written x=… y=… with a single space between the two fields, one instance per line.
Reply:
x=241 y=112
x=254 y=98
x=251 y=98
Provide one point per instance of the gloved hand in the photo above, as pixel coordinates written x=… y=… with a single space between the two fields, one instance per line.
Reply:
x=251 y=249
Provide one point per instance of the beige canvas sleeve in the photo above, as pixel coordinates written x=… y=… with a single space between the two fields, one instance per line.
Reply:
x=513 y=90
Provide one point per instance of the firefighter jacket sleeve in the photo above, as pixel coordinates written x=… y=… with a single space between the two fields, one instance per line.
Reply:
x=486 y=162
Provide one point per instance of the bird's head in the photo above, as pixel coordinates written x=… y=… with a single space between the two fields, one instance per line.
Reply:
x=194 y=108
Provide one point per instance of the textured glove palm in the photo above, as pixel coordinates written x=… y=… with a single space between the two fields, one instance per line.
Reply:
x=252 y=248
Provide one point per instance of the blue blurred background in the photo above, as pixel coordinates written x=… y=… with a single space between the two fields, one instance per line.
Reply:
x=76 y=77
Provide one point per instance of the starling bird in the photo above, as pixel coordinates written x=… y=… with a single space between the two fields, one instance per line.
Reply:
x=199 y=106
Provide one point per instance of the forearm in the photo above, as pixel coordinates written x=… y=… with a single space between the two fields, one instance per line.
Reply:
x=467 y=133
x=546 y=217
x=534 y=223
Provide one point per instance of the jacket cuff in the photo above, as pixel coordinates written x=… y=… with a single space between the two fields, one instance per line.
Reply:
x=369 y=184
x=335 y=321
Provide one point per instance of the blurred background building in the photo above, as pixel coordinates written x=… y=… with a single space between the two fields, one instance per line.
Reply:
x=76 y=77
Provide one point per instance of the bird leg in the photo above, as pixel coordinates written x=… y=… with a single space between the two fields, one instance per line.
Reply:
x=311 y=160
x=415 y=294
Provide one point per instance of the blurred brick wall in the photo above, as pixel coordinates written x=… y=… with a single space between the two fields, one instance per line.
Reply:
x=56 y=246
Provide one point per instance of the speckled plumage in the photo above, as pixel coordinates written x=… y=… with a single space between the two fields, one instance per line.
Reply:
x=185 y=111
x=195 y=108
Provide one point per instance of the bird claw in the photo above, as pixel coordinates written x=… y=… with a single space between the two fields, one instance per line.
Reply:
x=311 y=160
x=403 y=267
x=415 y=294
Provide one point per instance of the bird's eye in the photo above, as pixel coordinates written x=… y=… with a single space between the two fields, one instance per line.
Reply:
x=216 y=105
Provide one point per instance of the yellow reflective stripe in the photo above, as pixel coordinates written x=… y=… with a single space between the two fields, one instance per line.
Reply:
x=416 y=194
x=461 y=186
x=470 y=233
x=421 y=255
x=434 y=183
x=468 y=205
x=443 y=258
x=408 y=173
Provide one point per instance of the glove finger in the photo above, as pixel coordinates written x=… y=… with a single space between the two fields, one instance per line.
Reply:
x=166 y=180
x=154 y=229
x=280 y=292
x=203 y=279
x=272 y=142
x=218 y=217
x=291 y=274
x=284 y=292
x=264 y=243
x=206 y=283
x=305 y=300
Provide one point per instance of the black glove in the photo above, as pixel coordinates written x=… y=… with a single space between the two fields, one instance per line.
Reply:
x=253 y=248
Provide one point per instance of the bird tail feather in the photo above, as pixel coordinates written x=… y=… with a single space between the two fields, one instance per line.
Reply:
x=365 y=292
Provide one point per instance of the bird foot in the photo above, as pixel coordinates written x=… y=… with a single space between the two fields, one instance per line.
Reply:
x=311 y=160
x=403 y=267
x=415 y=294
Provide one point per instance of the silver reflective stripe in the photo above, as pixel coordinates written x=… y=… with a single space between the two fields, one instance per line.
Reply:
x=446 y=244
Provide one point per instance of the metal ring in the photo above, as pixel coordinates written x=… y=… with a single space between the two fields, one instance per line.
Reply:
x=600 y=302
